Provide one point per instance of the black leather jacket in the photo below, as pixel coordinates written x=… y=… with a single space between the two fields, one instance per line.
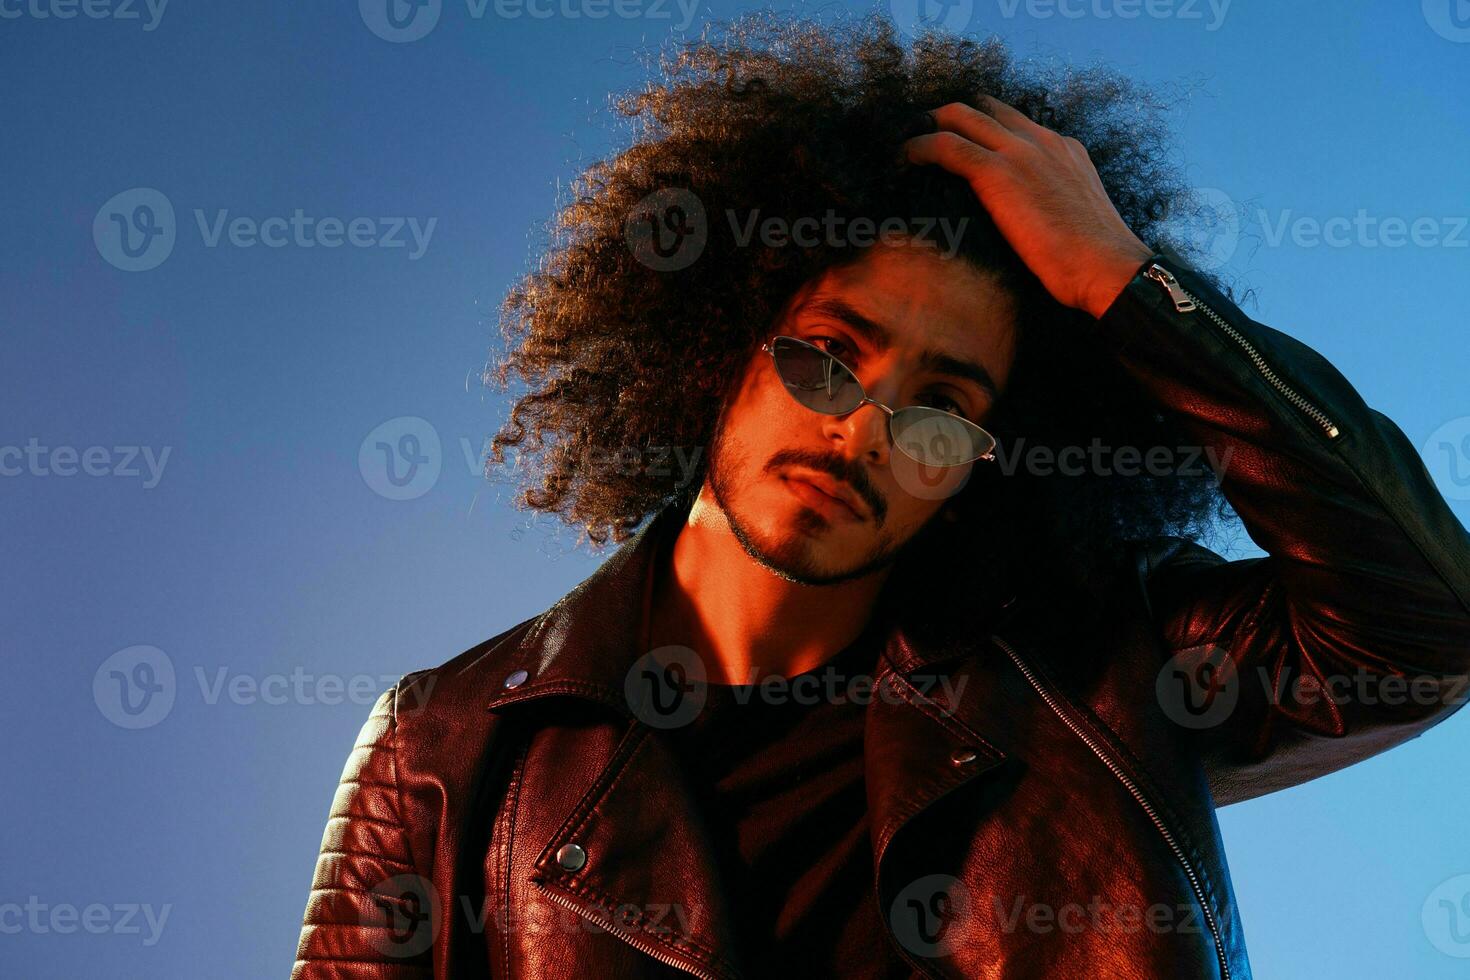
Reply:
x=506 y=814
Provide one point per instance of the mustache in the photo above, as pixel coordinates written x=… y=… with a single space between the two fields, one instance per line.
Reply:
x=838 y=469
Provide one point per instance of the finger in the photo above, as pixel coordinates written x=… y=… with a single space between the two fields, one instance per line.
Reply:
x=1007 y=115
x=974 y=125
x=948 y=150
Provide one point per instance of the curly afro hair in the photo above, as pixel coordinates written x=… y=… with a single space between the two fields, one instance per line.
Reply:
x=793 y=118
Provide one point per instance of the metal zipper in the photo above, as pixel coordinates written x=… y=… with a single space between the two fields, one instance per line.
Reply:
x=637 y=942
x=1186 y=302
x=1129 y=784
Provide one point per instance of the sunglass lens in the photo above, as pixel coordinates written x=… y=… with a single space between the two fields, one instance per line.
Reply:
x=815 y=378
x=938 y=438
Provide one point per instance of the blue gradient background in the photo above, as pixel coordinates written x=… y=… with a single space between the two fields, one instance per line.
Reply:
x=263 y=550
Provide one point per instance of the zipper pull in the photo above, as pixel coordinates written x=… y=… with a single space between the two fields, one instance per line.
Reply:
x=1165 y=278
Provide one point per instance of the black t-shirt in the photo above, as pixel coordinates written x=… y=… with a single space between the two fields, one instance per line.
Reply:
x=780 y=781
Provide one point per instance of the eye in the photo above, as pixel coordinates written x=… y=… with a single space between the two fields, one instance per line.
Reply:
x=835 y=347
x=945 y=403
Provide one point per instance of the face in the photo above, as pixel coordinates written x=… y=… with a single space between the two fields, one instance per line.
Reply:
x=880 y=316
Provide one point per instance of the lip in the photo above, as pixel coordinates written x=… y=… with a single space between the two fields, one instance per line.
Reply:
x=811 y=490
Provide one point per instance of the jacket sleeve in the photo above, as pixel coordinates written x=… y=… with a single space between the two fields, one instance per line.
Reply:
x=370 y=915
x=1353 y=634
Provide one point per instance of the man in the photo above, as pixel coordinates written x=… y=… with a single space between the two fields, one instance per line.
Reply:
x=1036 y=688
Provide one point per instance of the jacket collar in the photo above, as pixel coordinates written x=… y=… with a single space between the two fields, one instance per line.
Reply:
x=585 y=644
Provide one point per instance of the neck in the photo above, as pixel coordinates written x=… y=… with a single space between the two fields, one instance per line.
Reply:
x=743 y=620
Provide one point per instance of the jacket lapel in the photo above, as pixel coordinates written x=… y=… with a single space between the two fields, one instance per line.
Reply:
x=919 y=740
x=632 y=856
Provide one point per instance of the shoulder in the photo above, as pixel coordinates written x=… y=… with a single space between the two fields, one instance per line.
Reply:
x=460 y=687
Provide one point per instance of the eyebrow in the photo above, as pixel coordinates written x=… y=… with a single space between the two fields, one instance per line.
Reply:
x=879 y=338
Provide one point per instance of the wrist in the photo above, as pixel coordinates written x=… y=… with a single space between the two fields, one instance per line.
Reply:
x=1113 y=275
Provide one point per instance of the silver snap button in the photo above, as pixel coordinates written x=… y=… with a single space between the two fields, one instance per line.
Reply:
x=515 y=678
x=962 y=755
x=571 y=856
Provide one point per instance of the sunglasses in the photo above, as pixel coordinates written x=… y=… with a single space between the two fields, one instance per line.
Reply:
x=824 y=384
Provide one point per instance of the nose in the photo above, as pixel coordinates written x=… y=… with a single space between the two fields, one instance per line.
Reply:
x=861 y=433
